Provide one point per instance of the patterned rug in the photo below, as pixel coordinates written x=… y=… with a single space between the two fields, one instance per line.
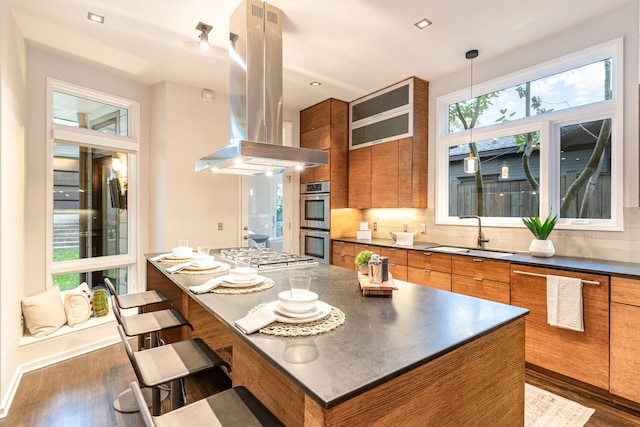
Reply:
x=544 y=409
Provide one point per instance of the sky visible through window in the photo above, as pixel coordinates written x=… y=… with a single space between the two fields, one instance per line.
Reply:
x=580 y=86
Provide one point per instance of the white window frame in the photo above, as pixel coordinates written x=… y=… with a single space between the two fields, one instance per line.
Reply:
x=83 y=137
x=548 y=124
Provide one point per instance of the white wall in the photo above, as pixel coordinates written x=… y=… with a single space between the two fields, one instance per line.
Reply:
x=186 y=204
x=13 y=112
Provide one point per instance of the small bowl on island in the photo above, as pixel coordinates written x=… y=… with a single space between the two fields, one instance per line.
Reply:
x=297 y=300
x=243 y=274
x=200 y=260
x=182 y=252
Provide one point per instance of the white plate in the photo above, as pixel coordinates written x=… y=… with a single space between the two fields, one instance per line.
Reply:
x=214 y=264
x=229 y=282
x=323 y=310
x=309 y=313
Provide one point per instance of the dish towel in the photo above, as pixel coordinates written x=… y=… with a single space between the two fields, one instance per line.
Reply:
x=208 y=286
x=256 y=320
x=564 y=302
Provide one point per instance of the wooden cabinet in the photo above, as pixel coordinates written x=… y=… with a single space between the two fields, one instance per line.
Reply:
x=625 y=338
x=481 y=278
x=343 y=254
x=583 y=356
x=360 y=178
x=393 y=174
x=397 y=262
x=324 y=126
x=429 y=269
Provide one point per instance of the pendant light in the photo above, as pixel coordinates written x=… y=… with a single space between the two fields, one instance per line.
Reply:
x=471 y=163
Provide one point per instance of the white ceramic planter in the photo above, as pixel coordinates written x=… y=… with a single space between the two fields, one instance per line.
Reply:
x=542 y=248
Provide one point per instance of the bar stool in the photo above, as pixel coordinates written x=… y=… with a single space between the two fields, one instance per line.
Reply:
x=235 y=407
x=139 y=325
x=170 y=363
x=139 y=300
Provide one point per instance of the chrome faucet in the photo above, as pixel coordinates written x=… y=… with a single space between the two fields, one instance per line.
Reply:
x=481 y=239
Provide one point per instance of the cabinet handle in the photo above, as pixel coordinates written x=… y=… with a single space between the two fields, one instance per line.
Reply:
x=391 y=249
x=477 y=259
x=526 y=273
x=478 y=278
x=426 y=253
x=427 y=271
x=391 y=264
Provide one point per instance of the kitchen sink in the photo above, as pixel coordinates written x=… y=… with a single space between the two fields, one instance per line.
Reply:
x=454 y=249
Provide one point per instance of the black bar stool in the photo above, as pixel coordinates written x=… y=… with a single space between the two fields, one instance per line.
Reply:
x=170 y=363
x=139 y=300
x=139 y=325
x=235 y=407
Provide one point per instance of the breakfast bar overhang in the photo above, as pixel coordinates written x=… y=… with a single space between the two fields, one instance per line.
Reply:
x=420 y=357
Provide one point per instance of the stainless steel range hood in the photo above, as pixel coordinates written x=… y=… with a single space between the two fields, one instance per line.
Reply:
x=255 y=79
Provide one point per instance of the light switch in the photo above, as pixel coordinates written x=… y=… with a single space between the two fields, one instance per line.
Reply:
x=220 y=227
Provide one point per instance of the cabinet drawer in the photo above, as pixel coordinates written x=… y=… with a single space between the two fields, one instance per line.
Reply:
x=344 y=248
x=481 y=268
x=481 y=288
x=343 y=260
x=317 y=139
x=398 y=272
x=431 y=278
x=429 y=261
x=625 y=291
x=396 y=256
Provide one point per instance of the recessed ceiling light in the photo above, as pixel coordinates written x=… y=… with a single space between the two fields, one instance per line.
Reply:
x=315 y=83
x=423 y=23
x=95 y=18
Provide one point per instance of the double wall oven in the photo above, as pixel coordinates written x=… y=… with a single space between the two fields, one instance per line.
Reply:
x=315 y=220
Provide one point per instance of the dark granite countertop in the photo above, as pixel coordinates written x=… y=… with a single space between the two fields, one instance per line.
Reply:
x=587 y=265
x=381 y=339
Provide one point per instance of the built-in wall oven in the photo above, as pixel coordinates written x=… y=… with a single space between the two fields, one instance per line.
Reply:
x=315 y=220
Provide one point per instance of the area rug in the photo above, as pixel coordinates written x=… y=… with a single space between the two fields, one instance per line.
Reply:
x=544 y=409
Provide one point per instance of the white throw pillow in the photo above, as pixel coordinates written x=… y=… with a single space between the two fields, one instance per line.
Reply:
x=43 y=313
x=77 y=305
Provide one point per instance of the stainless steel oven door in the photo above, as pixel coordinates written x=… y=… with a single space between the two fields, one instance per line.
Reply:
x=315 y=211
x=316 y=244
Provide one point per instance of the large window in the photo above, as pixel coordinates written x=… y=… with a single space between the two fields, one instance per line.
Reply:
x=544 y=140
x=93 y=163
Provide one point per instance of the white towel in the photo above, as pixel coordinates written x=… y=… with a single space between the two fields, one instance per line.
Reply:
x=159 y=257
x=178 y=267
x=564 y=303
x=256 y=320
x=208 y=286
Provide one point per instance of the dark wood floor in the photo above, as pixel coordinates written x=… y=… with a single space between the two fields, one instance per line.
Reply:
x=80 y=392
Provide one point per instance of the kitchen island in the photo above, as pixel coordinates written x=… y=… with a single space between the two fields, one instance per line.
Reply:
x=421 y=357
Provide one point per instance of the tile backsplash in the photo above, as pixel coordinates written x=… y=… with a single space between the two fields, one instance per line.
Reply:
x=608 y=245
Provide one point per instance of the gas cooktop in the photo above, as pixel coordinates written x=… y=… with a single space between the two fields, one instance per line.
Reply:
x=266 y=258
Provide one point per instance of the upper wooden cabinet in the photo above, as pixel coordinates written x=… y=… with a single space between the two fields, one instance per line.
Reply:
x=393 y=174
x=324 y=126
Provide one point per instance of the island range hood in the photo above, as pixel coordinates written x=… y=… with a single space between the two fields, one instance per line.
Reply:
x=255 y=79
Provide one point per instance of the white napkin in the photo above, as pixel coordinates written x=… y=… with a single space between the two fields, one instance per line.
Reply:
x=208 y=286
x=564 y=303
x=159 y=257
x=178 y=267
x=256 y=320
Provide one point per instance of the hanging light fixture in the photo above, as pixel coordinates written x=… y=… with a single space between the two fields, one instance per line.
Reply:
x=471 y=162
x=203 y=38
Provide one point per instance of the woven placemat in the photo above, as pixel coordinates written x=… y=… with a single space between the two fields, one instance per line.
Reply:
x=328 y=323
x=224 y=267
x=267 y=284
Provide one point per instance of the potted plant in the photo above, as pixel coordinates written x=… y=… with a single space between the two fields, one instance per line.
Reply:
x=362 y=261
x=541 y=246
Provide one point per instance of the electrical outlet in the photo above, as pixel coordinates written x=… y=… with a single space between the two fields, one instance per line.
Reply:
x=423 y=228
x=375 y=226
x=405 y=227
x=220 y=227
